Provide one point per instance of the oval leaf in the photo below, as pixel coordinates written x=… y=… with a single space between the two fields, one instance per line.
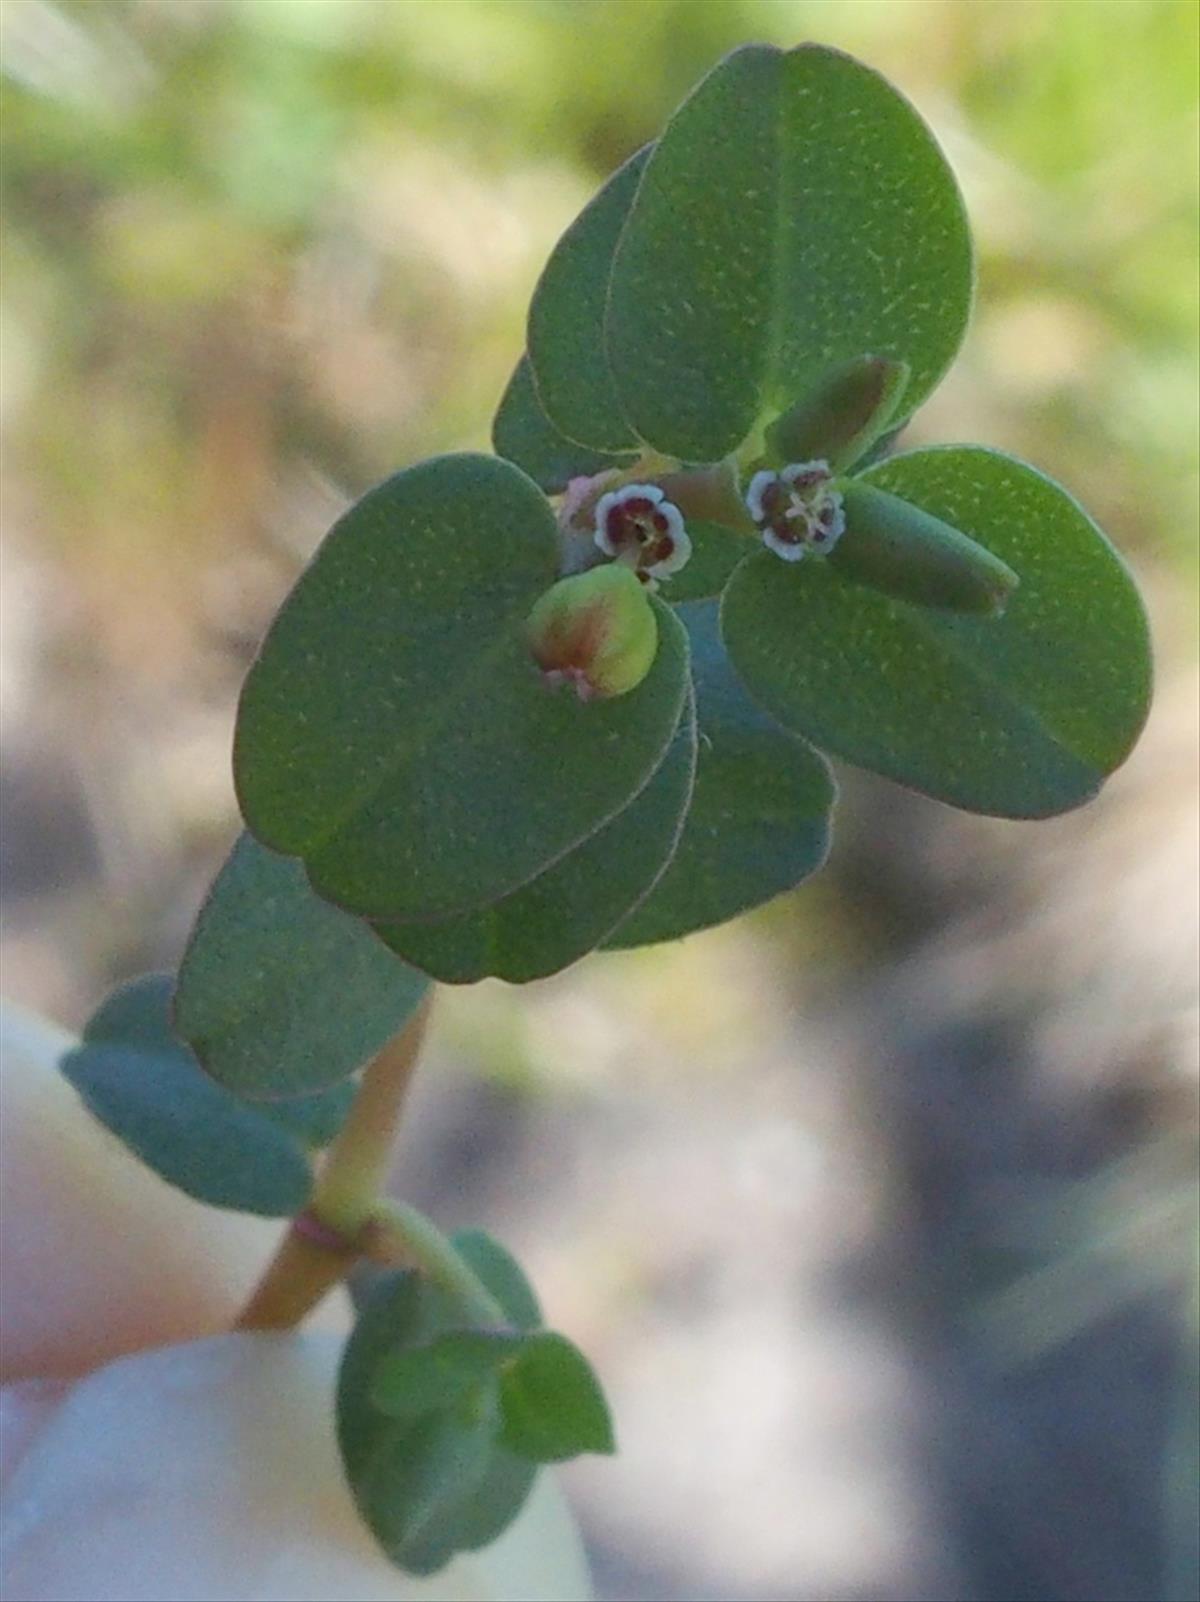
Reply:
x=759 y=820
x=523 y=434
x=395 y=731
x=566 y=320
x=145 y=1087
x=1022 y=715
x=565 y=912
x=279 y=992
x=438 y=1374
x=428 y=1487
x=795 y=213
x=551 y=1402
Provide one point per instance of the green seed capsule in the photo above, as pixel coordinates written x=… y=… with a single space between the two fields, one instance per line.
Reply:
x=595 y=631
x=895 y=547
x=841 y=417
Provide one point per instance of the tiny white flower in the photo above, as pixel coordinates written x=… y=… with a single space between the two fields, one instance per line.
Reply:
x=797 y=510
x=638 y=526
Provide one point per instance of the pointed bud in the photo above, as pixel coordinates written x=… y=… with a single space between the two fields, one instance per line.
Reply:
x=596 y=631
x=841 y=417
x=897 y=548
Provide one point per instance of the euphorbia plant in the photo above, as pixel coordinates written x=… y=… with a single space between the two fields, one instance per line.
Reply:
x=581 y=694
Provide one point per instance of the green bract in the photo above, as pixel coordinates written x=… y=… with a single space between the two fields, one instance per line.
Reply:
x=395 y=731
x=566 y=911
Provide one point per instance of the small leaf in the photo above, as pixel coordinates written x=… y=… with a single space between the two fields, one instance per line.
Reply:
x=566 y=320
x=148 y=1089
x=1022 y=715
x=841 y=417
x=902 y=551
x=502 y=1275
x=279 y=992
x=421 y=1379
x=552 y=1404
x=418 y=1478
x=759 y=819
x=524 y=435
x=395 y=731
x=565 y=912
x=795 y=213
x=428 y=1487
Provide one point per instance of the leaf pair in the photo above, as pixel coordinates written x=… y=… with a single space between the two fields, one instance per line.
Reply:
x=725 y=287
x=144 y=1086
x=738 y=812
x=442 y=1423
x=795 y=213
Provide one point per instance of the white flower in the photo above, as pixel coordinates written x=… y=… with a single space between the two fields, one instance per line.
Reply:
x=638 y=526
x=797 y=509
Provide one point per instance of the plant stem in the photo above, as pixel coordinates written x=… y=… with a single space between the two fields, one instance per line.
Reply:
x=400 y=1233
x=347 y=1192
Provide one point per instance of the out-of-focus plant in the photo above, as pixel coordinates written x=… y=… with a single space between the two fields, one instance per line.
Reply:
x=580 y=694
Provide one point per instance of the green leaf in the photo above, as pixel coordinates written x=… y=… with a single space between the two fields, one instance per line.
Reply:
x=524 y=435
x=552 y=1404
x=566 y=320
x=279 y=992
x=567 y=910
x=395 y=731
x=501 y=1274
x=148 y=1089
x=438 y=1374
x=759 y=821
x=1022 y=715
x=716 y=551
x=314 y=1120
x=795 y=213
x=435 y=1485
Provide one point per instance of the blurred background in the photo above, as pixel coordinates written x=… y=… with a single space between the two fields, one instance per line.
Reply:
x=876 y=1210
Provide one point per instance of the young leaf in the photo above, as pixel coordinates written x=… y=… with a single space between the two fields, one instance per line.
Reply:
x=1022 y=715
x=395 y=731
x=795 y=213
x=279 y=992
x=422 y=1379
x=566 y=320
x=524 y=435
x=759 y=819
x=148 y=1089
x=552 y=1405
x=567 y=910
x=427 y=1487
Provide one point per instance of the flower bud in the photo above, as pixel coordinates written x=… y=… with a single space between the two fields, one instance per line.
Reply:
x=596 y=631
x=840 y=418
x=897 y=548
